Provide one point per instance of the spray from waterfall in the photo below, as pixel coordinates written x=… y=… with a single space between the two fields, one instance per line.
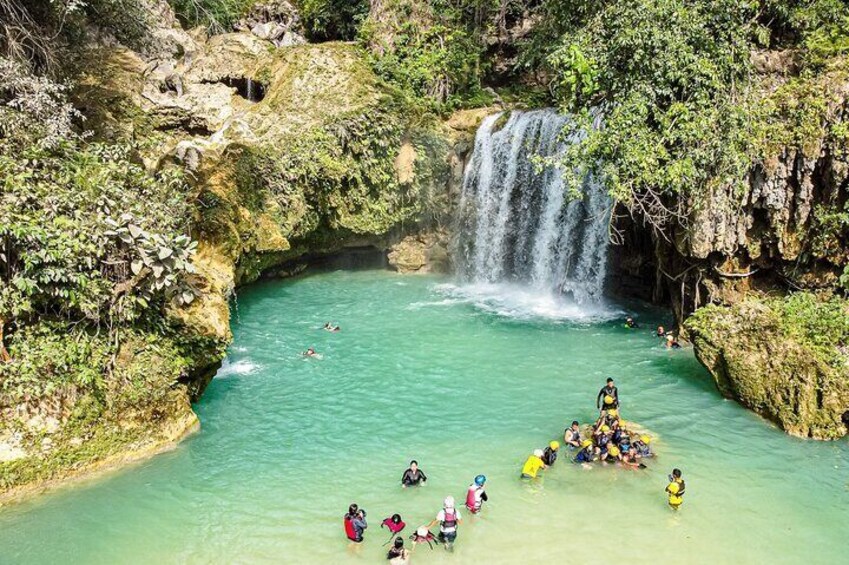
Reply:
x=515 y=222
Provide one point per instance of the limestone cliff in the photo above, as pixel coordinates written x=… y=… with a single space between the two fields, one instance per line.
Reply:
x=291 y=150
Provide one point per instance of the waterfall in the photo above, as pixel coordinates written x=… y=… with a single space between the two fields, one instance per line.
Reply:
x=515 y=222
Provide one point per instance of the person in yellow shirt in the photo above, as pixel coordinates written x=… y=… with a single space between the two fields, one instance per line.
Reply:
x=533 y=465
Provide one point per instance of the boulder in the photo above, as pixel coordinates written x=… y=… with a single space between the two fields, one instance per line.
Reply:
x=421 y=253
x=776 y=357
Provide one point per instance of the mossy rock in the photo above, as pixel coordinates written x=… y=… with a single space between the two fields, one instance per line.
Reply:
x=785 y=358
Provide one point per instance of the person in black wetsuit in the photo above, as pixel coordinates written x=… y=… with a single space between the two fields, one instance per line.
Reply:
x=413 y=476
x=608 y=390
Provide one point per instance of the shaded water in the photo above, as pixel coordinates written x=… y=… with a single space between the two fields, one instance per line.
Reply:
x=466 y=385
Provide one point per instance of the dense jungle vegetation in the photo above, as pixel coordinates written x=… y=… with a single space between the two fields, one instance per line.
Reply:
x=95 y=247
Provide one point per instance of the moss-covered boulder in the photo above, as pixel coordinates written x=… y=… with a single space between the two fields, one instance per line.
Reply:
x=785 y=358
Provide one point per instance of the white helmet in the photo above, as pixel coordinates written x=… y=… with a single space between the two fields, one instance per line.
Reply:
x=538 y=452
x=448 y=502
x=422 y=532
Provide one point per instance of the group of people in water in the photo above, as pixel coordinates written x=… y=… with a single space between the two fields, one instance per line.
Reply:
x=606 y=441
x=448 y=518
x=670 y=337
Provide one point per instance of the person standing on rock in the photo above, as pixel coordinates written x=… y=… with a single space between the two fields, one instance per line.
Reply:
x=610 y=393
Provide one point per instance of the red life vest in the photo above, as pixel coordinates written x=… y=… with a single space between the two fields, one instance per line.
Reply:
x=393 y=527
x=450 y=520
x=349 y=528
x=472 y=501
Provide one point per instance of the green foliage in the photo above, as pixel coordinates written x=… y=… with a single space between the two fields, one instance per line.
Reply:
x=579 y=80
x=821 y=324
x=38 y=33
x=61 y=255
x=432 y=50
x=328 y=20
x=338 y=177
x=683 y=113
x=217 y=16
x=109 y=394
x=49 y=360
x=61 y=204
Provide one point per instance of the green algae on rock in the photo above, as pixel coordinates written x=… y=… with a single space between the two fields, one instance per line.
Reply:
x=785 y=358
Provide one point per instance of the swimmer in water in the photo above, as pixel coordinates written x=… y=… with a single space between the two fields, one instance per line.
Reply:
x=355 y=523
x=642 y=447
x=331 y=328
x=630 y=323
x=394 y=523
x=310 y=353
x=609 y=395
x=572 y=435
x=549 y=456
x=398 y=555
x=660 y=331
x=413 y=476
x=533 y=464
x=672 y=342
x=423 y=535
x=476 y=494
x=586 y=454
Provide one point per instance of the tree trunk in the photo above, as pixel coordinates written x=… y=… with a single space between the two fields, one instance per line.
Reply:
x=4 y=355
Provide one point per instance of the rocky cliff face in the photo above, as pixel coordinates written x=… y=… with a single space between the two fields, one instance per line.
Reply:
x=786 y=230
x=293 y=151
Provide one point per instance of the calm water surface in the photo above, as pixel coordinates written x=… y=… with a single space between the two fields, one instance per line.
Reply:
x=467 y=381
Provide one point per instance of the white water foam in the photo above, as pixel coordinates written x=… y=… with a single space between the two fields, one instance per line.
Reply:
x=520 y=302
x=240 y=367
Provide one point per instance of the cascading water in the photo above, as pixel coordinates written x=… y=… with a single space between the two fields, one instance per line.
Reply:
x=516 y=224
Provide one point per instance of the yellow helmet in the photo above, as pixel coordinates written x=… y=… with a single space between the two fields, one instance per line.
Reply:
x=614 y=451
x=586 y=443
x=605 y=428
x=673 y=488
x=554 y=445
x=645 y=439
x=608 y=399
x=613 y=412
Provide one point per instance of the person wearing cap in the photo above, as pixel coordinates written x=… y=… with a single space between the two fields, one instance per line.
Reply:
x=549 y=456
x=533 y=464
x=608 y=396
x=602 y=441
x=572 y=435
x=448 y=519
x=629 y=457
x=476 y=494
x=585 y=455
x=642 y=447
